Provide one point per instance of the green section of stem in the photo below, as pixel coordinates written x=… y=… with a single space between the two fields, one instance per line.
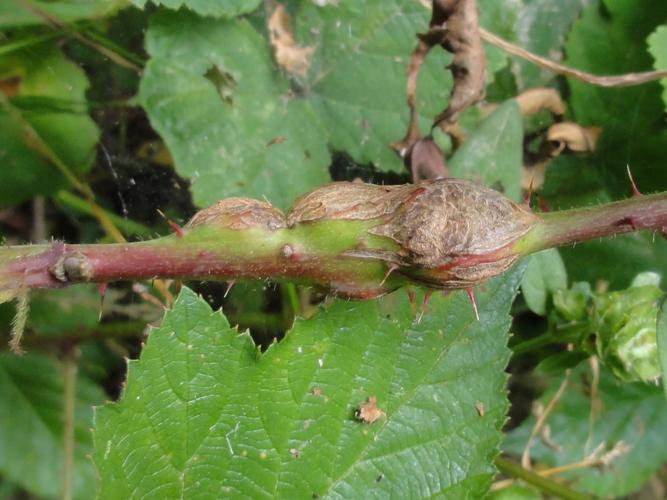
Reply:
x=544 y=484
x=310 y=253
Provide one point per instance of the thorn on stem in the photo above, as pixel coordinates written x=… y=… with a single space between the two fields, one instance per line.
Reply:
x=19 y=321
x=473 y=302
x=391 y=269
x=178 y=230
x=529 y=194
x=411 y=300
x=427 y=297
x=230 y=284
x=635 y=190
x=102 y=290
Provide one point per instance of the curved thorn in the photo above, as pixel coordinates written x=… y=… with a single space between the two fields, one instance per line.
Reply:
x=529 y=194
x=635 y=190
x=391 y=269
x=102 y=290
x=473 y=302
x=411 y=300
x=427 y=297
x=178 y=230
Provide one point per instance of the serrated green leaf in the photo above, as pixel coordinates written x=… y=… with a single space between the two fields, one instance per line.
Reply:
x=14 y=13
x=43 y=71
x=657 y=45
x=31 y=426
x=635 y=414
x=250 y=130
x=203 y=411
x=260 y=134
x=544 y=275
x=225 y=9
x=492 y=154
x=661 y=338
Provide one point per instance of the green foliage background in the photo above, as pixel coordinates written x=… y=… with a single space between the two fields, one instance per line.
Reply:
x=203 y=411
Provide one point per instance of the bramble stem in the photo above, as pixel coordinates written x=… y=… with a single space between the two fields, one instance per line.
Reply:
x=344 y=255
x=544 y=484
x=566 y=227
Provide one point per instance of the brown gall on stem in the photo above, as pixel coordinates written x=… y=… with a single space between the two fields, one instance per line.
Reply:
x=240 y=213
x=451 y=233
x=442 y=234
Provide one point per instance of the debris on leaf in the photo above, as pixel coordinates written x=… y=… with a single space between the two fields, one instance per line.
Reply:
x=369 y=412
x=289 y=55
x=479 y=407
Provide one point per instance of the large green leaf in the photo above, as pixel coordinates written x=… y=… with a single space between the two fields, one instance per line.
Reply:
x=31 y=426
x=43 y=72
x=238 y=125
x=216 y=8
x=204 y=412
x=635 y=414
x=260 y=134
x=492 y=154
x=237 y=132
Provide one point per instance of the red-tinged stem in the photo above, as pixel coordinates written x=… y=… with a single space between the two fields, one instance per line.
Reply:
x=313 y=254
x=648 y=212
x=339 y=254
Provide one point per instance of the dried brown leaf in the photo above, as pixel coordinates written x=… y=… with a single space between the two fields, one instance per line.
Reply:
x=533 y=100
x=572 y=136
x=461 y=38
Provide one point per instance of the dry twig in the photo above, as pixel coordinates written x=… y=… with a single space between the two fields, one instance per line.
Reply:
x=542 y=418
x=625 y=80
